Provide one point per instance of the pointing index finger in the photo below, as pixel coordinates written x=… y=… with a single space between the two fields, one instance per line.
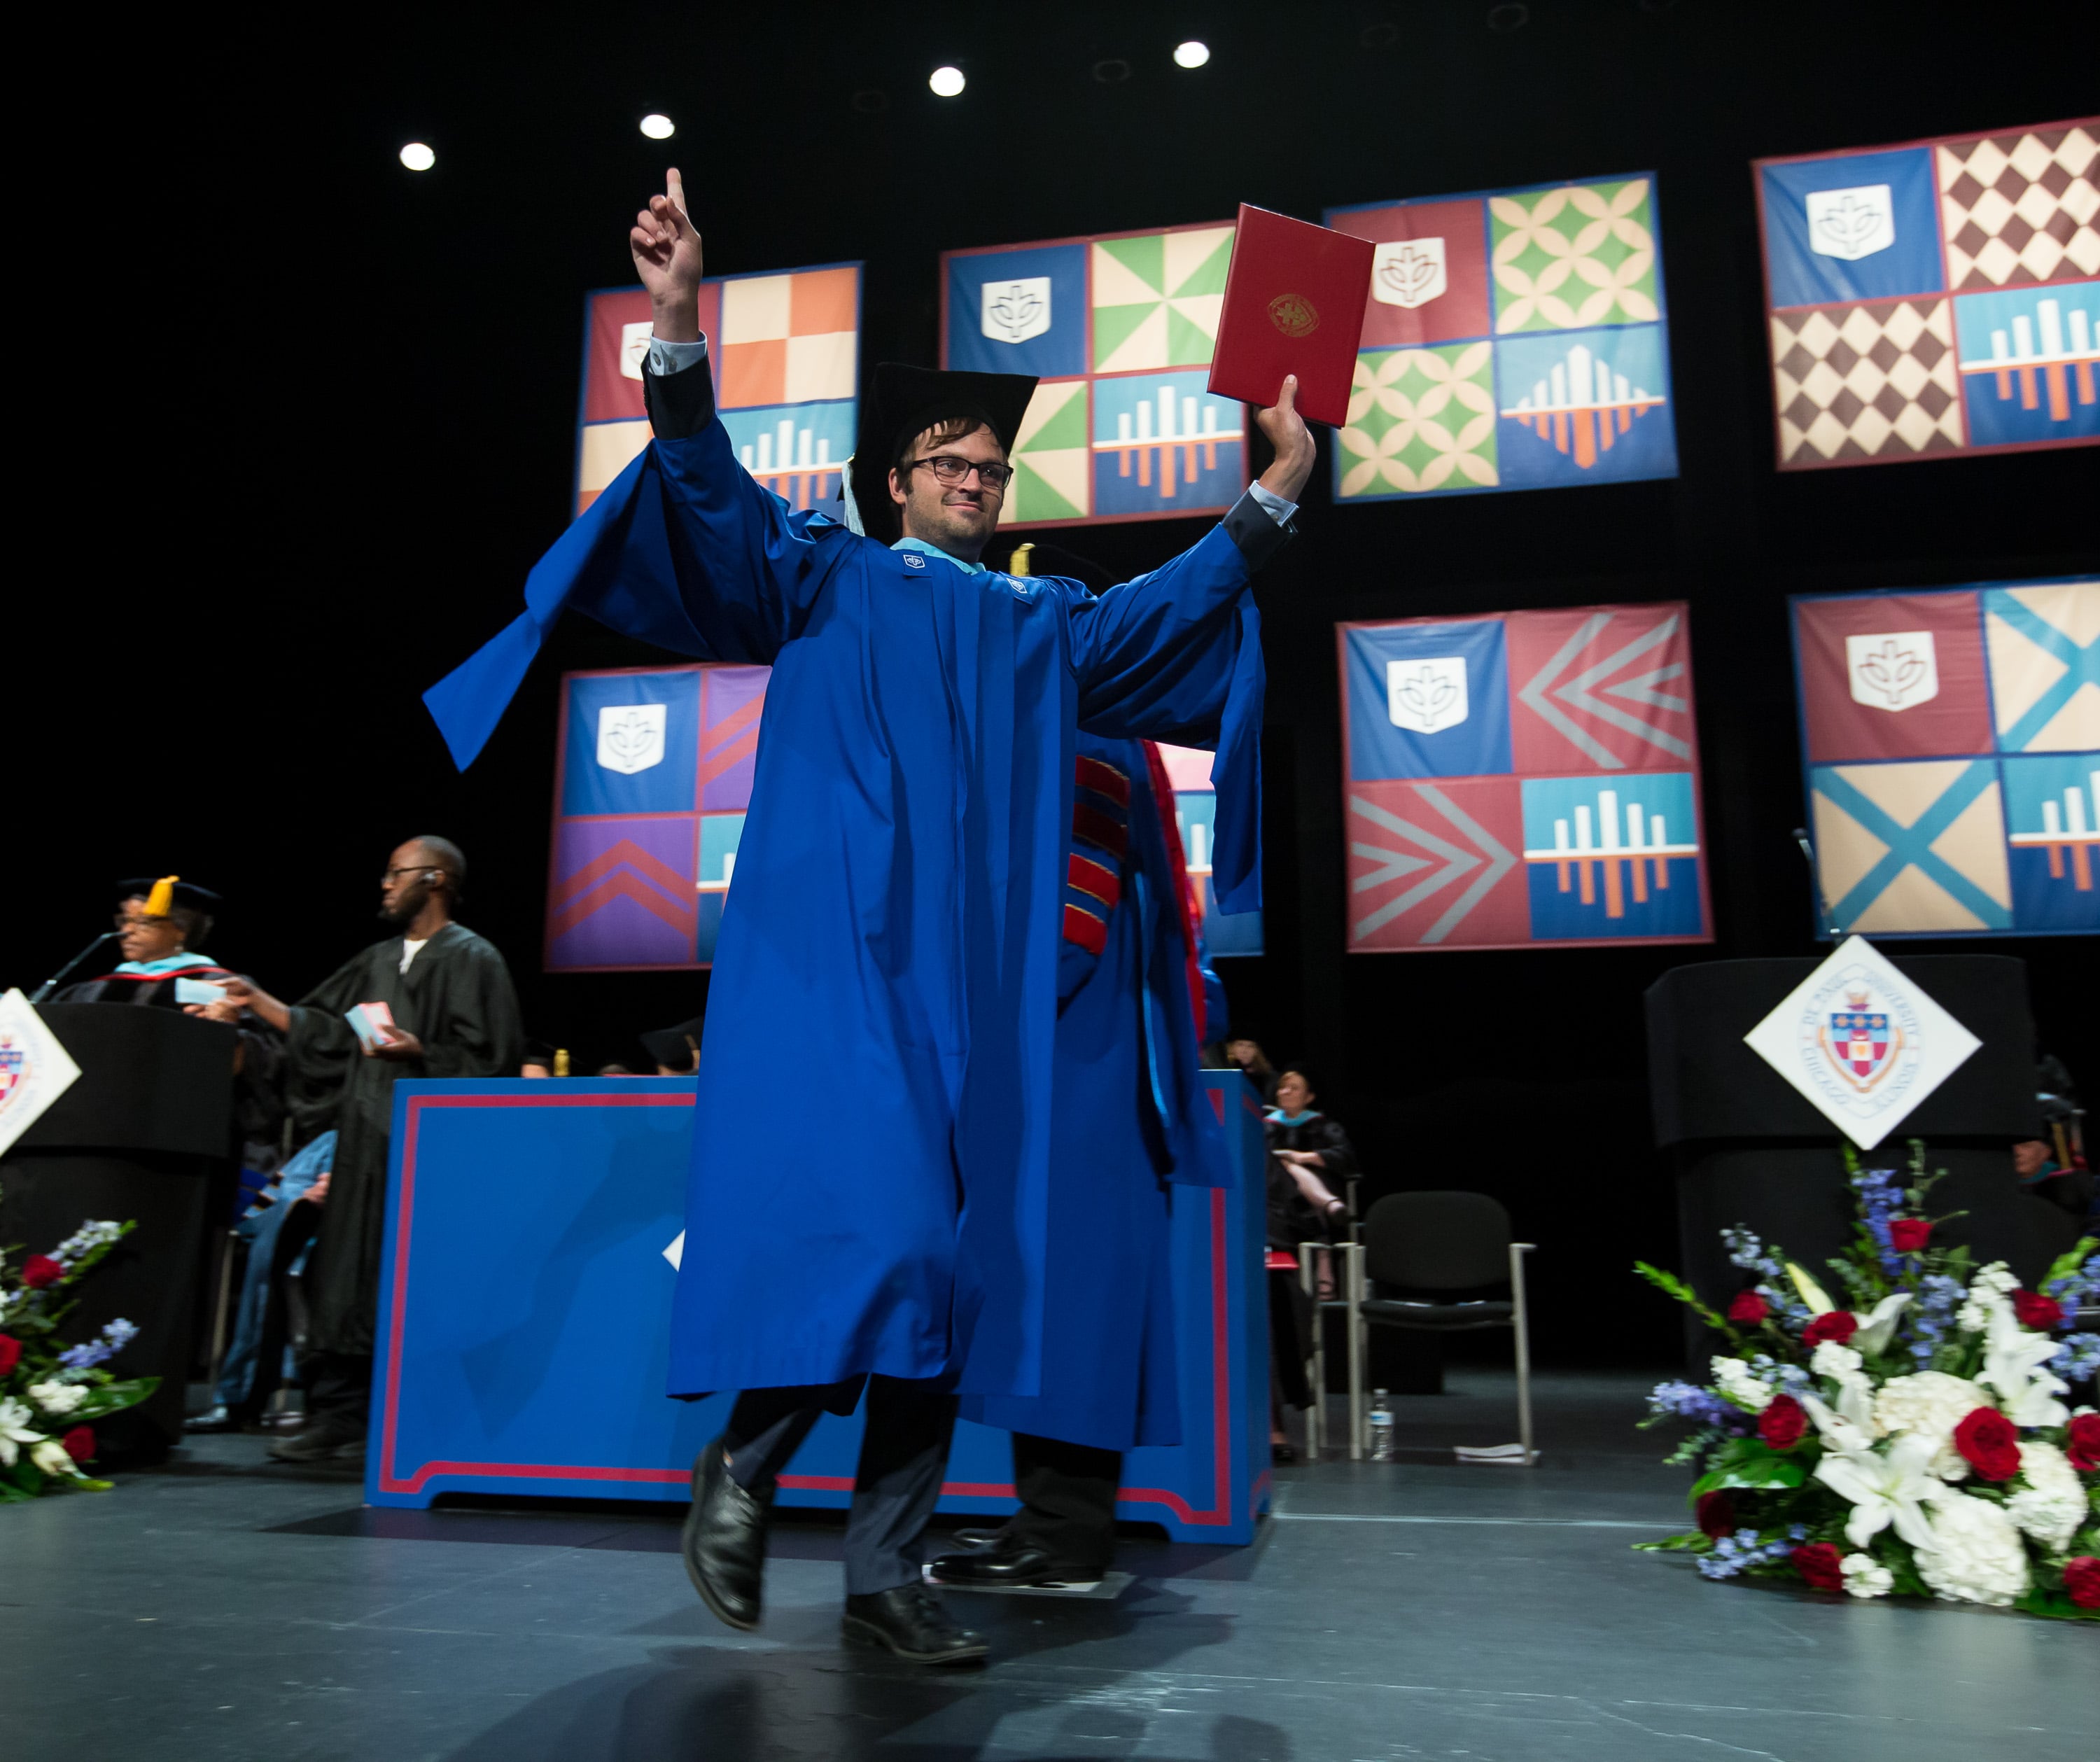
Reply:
x=674 y=186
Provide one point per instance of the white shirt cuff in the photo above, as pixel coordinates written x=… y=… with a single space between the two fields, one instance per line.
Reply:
x=666 y=359
x=1269 y=502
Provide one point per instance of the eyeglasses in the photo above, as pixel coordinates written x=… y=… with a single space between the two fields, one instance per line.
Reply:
x=951 y=470
x=386 y=880
x=125 y=921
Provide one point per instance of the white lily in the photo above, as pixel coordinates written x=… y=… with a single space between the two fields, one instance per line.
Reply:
x=1879 y=1323
x=15 y=1430
x=1812 y=1294
x=1849 y=1429
x=1884 y=1487
x=2012 y=1360
x=54 y=1458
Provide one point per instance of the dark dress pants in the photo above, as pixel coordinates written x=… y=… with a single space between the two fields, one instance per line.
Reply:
x=1068 y=1501
x=903 y=1454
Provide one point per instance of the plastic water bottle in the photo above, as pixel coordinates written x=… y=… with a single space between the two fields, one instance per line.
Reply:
x=1381 y=1428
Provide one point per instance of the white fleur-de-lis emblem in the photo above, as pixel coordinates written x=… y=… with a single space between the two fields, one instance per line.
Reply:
x=1427 y=696
x=1409 y=272
x=1851 y=223
x=630 y=736
x=1892 y=669
x=1012 y=312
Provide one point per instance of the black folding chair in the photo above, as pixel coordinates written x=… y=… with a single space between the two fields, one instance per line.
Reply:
x=1417 y=1245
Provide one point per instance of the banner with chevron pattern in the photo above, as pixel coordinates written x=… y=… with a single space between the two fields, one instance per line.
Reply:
x=1523 y=779
x=652 y=777
x=1951 y=740
x=1119 y=328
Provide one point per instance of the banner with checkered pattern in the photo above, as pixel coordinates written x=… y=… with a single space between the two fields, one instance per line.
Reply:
x=1521 y=780
x=784 y=350
x=1934 y=300
x=1513 y=339
x=1950 y=742
x=1119 y=329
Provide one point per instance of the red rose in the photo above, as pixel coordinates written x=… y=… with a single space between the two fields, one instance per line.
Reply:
x=1820 y=1564
x=40 y=1270
x=2037 y=1312
x=11 y=1353
x=2084 y=1443
x=1989 y=1444
x=2081 y=1578
x=1749 y=1307
x=1839 y=1325
x=1781 y=1424
x=80 y=1442
x=1716 y=1514
x=1907 y=1235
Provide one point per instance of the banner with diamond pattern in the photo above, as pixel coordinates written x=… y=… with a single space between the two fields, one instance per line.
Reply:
x=1934 y=300
x=1524 y=779
x=1950 y=741
x=1513 y=339
x=1119 y=329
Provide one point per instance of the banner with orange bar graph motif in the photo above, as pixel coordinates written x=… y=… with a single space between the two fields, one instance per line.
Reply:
x=1513 y=339
x=653 y=774
x=1522 y=779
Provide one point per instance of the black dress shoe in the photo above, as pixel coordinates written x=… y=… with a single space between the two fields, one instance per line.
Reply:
x=911 y=1623
x=1002 y=1561
x=328 y=1437
x=977 y=1538
x=724 y=1541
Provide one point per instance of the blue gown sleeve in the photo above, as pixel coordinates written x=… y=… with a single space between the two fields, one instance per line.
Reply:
x=1175 y=655
x=683 y=549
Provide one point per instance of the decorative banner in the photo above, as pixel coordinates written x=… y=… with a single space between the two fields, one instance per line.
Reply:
x=1520 y=779
x=1939 y=297
x=784 y=350
x=1119 y=329
x=1513 y=339
x=1952 y=744
x=1196 y=813
x=652 y=776
x=1862 y=1042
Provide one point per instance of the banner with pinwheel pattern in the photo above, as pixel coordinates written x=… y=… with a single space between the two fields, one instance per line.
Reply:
x=1513 y=339
x=1522 y=779
x=1950 y=746
x=1119 y=328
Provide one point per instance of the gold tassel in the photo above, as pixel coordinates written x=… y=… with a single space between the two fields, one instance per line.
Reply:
x=162 y=899
x=1018 y=564
x=561 y=1061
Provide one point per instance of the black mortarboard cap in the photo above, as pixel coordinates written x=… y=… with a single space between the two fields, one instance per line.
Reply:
x=678 y=1046
x=908 y=401
x=184 y=893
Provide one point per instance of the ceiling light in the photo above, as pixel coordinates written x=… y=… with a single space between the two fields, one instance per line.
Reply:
x=1192 y=54
x=417 y=157
x=658 y=128
x=947 y=82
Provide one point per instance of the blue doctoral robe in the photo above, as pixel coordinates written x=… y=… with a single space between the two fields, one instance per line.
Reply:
x=871 y=1143
x=1131 y=1115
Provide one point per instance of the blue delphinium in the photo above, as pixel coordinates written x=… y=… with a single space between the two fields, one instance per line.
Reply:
x=1881 y=1195
x=1745 y=1548
x=114 y=1338
x=1927 y=1320
x=2078 y=1288
x=1748 y=1251
x=1688 y=1401
x=2077 y=1358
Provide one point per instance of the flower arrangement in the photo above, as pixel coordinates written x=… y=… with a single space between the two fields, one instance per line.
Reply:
x=51 y=1394
x=1910 y=1440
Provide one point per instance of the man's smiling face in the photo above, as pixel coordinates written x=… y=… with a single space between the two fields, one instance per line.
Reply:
x=957 y=517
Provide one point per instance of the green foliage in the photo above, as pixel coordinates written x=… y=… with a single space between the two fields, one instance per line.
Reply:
x=1692 y=1542
x=1751 y=1463
x=1685 y=1295
x=2070 y=1261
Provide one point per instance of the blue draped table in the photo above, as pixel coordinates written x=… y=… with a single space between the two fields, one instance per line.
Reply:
x=525 y=1302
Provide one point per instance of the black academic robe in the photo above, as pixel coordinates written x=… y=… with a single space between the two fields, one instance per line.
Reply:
x=457 y=999
x=258 y=1085
x=1291 y=1218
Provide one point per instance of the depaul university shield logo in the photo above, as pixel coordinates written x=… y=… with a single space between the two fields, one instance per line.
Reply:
x=14 y=1068
x=1860 y=1042
x=1015 y=310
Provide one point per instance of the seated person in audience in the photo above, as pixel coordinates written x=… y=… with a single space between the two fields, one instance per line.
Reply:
x=1249 y=1056
x=539 y=1059
x=2048 y=1166
x=252 y=1369
x=677 y=1051
x=1306 y=1151
x=614 y=1071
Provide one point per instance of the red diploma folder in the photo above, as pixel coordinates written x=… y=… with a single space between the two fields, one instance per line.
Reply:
x=1293 y=304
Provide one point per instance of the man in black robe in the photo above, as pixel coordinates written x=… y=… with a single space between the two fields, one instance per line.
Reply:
x=455 y=1014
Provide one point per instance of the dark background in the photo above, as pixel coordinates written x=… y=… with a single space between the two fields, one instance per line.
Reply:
x=315 y=419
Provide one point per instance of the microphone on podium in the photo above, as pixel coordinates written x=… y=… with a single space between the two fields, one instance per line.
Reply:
x=52 y=984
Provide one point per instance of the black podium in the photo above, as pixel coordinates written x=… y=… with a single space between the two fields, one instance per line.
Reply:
x=146 y=1133
x=1749 y=1149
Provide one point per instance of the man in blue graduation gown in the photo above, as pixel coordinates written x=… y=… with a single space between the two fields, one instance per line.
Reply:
x=883 y=1009
x=1131 y=1117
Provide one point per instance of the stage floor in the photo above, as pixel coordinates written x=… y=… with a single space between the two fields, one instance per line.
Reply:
x=227 y=1609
